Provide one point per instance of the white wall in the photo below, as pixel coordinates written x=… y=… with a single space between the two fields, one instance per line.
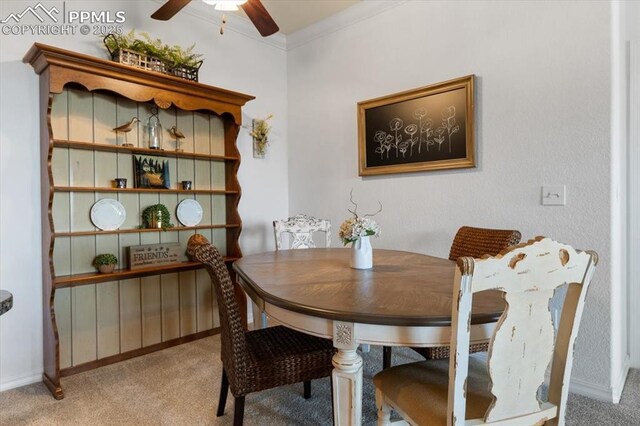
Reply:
x=543 y=103
x=619 y=231
x=232 y=61
x=633 y=36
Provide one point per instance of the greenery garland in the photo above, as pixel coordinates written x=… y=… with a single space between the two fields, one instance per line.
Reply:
x=149 y=213
x=174 y=55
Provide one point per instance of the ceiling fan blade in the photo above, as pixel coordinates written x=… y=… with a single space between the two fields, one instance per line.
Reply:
x=260 y=17
x=169 y=9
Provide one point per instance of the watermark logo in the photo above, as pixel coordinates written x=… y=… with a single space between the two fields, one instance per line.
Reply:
x=33 y=10
x=40 y=20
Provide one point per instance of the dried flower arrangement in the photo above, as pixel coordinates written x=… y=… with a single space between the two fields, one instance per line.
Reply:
x=355 y=227
x=260 y=134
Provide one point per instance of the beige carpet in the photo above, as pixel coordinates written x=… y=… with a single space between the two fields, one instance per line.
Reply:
x=179 y=386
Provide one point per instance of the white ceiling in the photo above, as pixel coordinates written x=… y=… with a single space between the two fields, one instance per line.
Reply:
x=293 y=15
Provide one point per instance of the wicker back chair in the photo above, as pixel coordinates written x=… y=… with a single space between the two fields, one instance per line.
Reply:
x=468 y=242
x=260 y=359
x=479 y=242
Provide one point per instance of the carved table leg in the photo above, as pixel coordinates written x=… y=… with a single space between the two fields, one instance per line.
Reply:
x=346 y=377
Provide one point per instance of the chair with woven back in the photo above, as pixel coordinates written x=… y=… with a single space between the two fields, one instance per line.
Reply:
x=506 y=388
x=261 y=359
x=472 y=242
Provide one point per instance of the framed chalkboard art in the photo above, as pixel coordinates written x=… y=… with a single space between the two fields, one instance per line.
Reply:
x=430 y=128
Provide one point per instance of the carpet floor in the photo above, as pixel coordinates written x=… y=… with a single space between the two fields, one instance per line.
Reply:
x=179 y=386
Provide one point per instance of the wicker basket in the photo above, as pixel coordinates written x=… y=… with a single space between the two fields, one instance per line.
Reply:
x=151 y=63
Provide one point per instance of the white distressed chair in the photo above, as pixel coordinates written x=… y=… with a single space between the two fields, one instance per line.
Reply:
x=301 y=227
x=505 y=389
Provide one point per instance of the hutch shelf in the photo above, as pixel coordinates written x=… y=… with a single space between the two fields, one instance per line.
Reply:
x=92 y=319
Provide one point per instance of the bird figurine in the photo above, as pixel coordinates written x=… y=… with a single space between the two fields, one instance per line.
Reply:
x=177 y=135
x=126 y=128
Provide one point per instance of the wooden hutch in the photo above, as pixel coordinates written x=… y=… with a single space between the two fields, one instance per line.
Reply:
x=92 y=319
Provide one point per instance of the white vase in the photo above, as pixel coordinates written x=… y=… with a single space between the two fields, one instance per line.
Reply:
x=362 y=254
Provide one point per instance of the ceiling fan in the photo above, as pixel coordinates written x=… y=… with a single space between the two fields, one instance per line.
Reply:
x=253 y=8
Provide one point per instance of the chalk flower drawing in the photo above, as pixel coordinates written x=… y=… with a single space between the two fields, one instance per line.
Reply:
x=449 y=122
x=418 y=134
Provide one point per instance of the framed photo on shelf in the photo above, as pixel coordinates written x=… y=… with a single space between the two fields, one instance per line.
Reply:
x=430 y=128
x=151 y=172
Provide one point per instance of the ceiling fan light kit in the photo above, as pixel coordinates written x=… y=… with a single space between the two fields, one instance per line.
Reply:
x=254 y=9
x=225 y=5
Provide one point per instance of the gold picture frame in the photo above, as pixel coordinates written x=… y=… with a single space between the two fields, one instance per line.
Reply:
x=429 y=128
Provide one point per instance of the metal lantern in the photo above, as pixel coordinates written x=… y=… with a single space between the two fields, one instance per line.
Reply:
x=154 y=130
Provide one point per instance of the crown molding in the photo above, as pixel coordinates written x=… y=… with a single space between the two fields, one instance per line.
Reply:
x=359 y=12
x=235 y=23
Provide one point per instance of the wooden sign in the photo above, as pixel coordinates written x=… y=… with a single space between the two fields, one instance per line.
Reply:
x=155 y=254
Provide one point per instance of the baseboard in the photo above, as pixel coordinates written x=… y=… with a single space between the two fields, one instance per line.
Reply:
x=589 y=389
x=598 y=391
x=16 y=382
x=618 y=384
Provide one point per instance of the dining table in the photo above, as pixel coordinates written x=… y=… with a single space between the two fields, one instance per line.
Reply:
x=405 y=299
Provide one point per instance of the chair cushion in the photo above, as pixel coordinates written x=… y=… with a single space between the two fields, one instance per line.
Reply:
x=280 y=356
x=420 y=390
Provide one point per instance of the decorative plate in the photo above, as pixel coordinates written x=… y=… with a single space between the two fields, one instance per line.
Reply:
x=108 y=214
x=189 y=212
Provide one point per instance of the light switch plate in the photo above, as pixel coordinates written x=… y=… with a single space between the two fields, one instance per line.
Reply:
x=554 y=195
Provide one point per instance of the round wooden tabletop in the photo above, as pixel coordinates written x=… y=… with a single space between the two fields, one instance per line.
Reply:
x=402 y=288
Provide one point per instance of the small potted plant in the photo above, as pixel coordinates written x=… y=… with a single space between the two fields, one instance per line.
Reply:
x=105 y=263
x=156 y=216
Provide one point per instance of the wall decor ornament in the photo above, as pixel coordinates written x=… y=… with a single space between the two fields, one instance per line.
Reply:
x=149 y=255
x=178 y=136
x=154 y=130
x=107 y=214
x=189 y=212
x=151 y=172
x=126 y=128
x=429 y=128
x=260 y=133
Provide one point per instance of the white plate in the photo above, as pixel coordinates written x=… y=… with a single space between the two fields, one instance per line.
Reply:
x=189 y=212
x=108 y=214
